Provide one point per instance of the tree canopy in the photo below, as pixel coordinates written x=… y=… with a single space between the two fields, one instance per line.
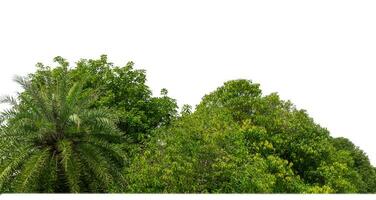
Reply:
x=96 y=127
x=238 y=141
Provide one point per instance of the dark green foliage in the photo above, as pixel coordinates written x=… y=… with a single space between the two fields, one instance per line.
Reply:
x=51 y=136
x=358 y=162
x=97 y=128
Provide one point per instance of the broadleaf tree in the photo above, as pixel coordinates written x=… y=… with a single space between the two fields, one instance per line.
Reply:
x=96 y=127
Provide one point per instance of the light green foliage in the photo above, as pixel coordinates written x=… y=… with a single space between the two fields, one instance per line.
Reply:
x=208 y=152
x=240 y=141
x=97 y=128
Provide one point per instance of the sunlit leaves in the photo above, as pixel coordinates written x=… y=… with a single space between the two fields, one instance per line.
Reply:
x=96 y=128
x=238 y=141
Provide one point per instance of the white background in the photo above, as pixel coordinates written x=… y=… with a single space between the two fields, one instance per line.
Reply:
x=319 y=54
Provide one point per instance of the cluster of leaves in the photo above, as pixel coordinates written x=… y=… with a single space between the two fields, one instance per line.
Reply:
x=240 y=141
x=97 y=128
x=74 y=130
x=123 y=89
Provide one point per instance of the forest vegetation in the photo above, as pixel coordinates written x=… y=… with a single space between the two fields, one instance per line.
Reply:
x=97 y=128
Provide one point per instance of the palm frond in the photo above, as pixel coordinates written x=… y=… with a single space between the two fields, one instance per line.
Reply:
x=16 y=132
x=74 y=93
x=24 y=82
x=100 y=120
x=8 y=113
x=9 y=100
x=114 y=150
x=75 y=119
x=26 y=180
x=62 y=91
x=49 y=176
x=7 y=169
x=40 y=102
x=70 y=165
x=97 y=164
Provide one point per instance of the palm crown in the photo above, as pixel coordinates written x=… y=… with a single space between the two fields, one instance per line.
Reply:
x=56 y=142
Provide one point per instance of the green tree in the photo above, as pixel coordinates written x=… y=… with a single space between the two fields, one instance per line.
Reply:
x=240 y=141
x=97 y=128
x=52 y=141
x=124 y=90
x=359 y=162
x=208 y=152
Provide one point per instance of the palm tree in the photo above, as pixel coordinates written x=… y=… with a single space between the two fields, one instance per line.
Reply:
x=51 y=141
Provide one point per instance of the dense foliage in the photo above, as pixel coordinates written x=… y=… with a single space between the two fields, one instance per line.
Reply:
x=97 y=128
x=240 y=141
x=53 y=141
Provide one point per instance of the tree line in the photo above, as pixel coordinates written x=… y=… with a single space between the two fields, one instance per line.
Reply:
x=96 y=127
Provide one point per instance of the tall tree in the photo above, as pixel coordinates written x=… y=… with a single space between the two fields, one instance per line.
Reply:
x=52 y=141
